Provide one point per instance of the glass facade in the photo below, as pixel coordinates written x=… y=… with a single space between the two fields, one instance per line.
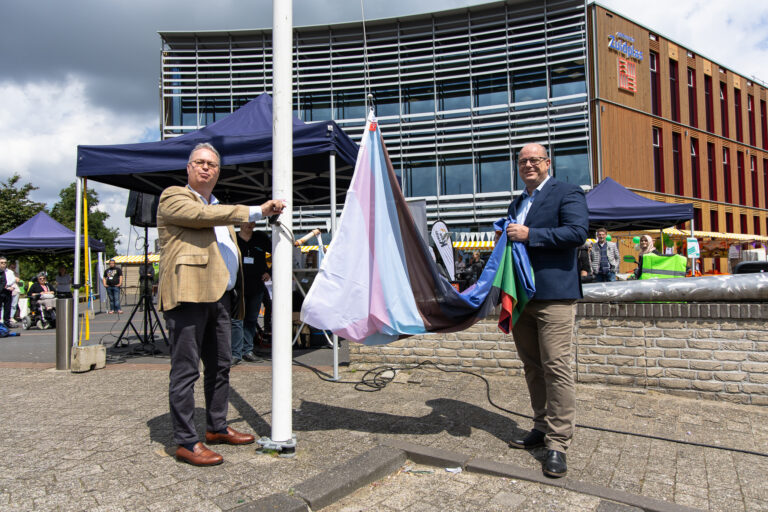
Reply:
x=457 y=94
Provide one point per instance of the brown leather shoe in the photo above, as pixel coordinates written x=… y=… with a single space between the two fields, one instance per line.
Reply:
x=231 y=437
x=200 y=456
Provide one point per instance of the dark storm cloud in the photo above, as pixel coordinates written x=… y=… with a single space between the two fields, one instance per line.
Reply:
x=115 y=47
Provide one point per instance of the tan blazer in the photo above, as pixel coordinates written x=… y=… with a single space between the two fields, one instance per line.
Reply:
x=191 y=266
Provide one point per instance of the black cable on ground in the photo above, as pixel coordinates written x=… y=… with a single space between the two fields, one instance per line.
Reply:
x=375 y=380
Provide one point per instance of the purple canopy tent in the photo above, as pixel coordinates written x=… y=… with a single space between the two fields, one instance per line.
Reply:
x=42 y=234
x=617 y=209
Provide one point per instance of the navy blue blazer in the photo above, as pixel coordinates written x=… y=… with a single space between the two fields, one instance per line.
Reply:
x=558 y=222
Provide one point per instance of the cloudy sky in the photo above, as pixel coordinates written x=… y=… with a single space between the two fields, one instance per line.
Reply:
x=86 y=71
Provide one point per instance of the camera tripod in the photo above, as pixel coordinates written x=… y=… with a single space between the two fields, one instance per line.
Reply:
x=150 y=323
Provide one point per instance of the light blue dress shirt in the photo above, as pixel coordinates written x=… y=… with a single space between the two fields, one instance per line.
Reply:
x=525 y=205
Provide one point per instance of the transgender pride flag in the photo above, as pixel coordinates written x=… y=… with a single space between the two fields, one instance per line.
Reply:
x=377 y=282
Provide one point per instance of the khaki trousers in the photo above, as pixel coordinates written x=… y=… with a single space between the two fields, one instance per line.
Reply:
x=543 y=336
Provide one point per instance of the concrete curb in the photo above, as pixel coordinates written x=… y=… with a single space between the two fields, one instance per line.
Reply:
x=330 y=486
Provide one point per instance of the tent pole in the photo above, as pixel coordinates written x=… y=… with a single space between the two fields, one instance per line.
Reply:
x=332 y=165
x=76 y=270
x=693 y=260
x=282 y=439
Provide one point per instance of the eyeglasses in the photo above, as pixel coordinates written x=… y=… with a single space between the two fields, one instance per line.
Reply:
x=200 y=163
x=533 y=161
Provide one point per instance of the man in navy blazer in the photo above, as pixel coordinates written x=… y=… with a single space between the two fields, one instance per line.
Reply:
x=552 y=221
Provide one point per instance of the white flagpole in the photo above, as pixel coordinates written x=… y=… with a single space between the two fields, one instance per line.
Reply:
x=282 y=246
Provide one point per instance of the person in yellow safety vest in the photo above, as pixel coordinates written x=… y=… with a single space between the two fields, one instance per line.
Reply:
x=659 y=266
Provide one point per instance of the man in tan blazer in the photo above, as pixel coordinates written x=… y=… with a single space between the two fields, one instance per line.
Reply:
x=199 y=267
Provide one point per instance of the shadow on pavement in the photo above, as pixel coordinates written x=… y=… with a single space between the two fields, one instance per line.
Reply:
x=452 y=416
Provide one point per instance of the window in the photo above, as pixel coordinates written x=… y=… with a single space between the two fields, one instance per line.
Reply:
x=756 y=225
x=711 y=171
x=658 y=161
x=693 y=112
x=737 y=115
x=765 y=183
x=740 y=177
x=764 y=124
x=490 y=90
x=570 y=163
x=420 y=178
x=493 y=171
x=351 y=105
x=418 y=99
x=723 y=109
x=386 y=101
x=677 y=164
x=674 y=95
x=566 y=79
x=755 y=188
x=655 y=84
x=727 y=176
x=317 y=106
x=743 y=222
x=455 y=175
x=709 y=103
x=751 y=118
x=714 y=223
x=695 y=169
x=529 y=84
x=728 y=222
x=697 y=219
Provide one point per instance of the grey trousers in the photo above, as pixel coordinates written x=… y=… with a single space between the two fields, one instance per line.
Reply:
x=199 y=332
x=543 y=337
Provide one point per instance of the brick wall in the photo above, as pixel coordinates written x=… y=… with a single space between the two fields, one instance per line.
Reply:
x=714 y=351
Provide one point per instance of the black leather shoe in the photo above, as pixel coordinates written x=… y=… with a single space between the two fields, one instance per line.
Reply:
x=235 y=362
x=252 y=358
x=533 y=439
x=555 y=465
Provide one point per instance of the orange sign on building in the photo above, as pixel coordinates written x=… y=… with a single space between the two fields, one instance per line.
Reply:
x=627 y=75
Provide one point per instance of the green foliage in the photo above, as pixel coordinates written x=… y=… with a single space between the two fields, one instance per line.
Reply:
x=16 y=208
x=15 y=205
x=64 y=212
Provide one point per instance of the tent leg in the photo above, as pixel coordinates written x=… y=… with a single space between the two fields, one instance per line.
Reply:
x=76 y=270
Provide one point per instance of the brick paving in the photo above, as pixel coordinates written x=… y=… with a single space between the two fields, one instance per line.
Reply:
x=102 y=441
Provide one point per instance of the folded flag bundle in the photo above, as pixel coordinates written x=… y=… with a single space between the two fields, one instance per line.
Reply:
x=378 y=282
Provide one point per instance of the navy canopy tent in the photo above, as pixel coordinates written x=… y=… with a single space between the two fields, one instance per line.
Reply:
x=42 y=234
x=244 y=139
x=616 y=208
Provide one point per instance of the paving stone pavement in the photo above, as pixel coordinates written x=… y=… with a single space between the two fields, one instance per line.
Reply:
x=102 y=441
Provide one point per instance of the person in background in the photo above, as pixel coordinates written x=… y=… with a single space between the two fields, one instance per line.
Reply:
x=7 y=286
x=63 y=280
x=113 y=280
x=254 y=246
x=476 y=265
x=15 y=293
x=585 y=267
x=604 y=258
x=645 y=246
x=42 y=291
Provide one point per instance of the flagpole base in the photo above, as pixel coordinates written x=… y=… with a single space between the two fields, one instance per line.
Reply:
x=284 y=449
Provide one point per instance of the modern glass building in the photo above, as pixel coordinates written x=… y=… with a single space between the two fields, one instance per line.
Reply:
x=457 y=93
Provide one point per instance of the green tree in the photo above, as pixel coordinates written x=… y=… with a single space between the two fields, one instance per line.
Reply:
x=64 y=212
x=15 y=205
